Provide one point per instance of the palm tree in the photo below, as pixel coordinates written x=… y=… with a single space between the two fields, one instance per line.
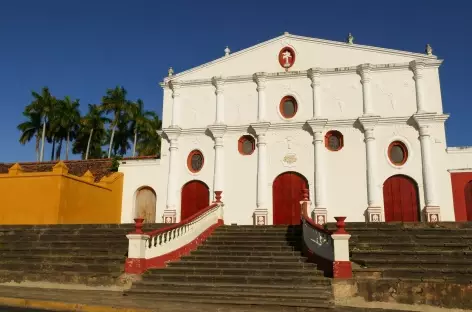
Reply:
x=69 y=118
x=139 y=121
x=94 y=120
x=31 y=128
x=149 y=141
x=114 y=102
x=43 y=104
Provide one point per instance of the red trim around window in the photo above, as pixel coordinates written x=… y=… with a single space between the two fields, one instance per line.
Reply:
x=241 y=141
x=189 y=160
x=281 y=59
x=281 y=106
x=404 y=149
x=337 y=134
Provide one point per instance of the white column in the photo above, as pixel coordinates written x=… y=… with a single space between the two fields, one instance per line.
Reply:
x=417 y=67
x=261 y=171
x=374 y=208
x=260 y=79
x=428 y=168
x=218 y=82
x=318 y=141
x=218 y=131
x=373 y=192
x=364 y=71
x=172 y=178
x=175 y=86
x=315 y=76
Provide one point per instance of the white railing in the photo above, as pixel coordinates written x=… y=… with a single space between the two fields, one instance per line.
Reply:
x=154 y=249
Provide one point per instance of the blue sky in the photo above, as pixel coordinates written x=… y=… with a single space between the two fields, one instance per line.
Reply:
x=81 y=48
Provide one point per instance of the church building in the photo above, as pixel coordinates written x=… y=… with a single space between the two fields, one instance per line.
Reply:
x=361 y=127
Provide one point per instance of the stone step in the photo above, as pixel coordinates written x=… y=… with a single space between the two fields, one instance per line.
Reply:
x=64 y=277
x=258 y=229
x=254 y=247
x=79 y=251
x=245 y=271
x=289 y=281
x=457 y=274
x=176 y=286
x=256 y=238
x=392 y=245
x=268 y=243
x=280 y=297
x=242 y=264
x=414 y=263
x=247 y=258
x=418 y=239
x=400 y=232
x=411 y=254
x=55 y=268
x=64 y=244
x=51 y=258
x=65 y=237
x=205 y=251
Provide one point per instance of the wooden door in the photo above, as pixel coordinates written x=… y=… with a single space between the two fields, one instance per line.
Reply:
x=468 y=200
x=401 y=201
x=146 y=205
x=195 y=197
x=286 y=195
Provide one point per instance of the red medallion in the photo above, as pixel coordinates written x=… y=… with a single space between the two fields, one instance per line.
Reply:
x=286 y=57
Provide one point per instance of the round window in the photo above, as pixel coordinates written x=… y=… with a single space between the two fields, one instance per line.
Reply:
x=246 y=145
x=195 y=161
x=288 y=107
x=334 y=140
x=397 y=153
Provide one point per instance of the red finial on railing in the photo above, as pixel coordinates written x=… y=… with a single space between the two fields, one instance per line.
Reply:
x=138 y=224
x=218 y=196
x=340 y=224
x=306 y=194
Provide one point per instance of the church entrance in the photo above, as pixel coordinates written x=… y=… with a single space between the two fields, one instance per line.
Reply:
x=468 y=200
x=286 y=195
x=401 y=202
x=195 y=197
x=145 y=205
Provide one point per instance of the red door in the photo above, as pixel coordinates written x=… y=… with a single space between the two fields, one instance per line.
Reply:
x=468 y=200
x=195 y=197
x=286 y=194
x=401 y=199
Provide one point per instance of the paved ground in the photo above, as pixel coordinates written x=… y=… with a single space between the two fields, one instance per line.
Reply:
x=10 y=309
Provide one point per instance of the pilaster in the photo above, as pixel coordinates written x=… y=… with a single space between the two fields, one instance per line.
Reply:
x=315 y=76
x=417 y=66
x=172 y=134
x=374 y=211
x=260 y=79
x=218 y=83
x=175 y=87
x=218 y=131
x=365 y=71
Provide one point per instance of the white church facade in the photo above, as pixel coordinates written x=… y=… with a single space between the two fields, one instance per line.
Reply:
x=361 y=127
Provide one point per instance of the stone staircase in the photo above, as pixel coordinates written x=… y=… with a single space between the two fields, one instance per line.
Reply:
x=92 y=255
x=441 y=252
x=242 y=265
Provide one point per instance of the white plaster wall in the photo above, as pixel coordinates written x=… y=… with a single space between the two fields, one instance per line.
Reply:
x=459 y=158
x=138 y=174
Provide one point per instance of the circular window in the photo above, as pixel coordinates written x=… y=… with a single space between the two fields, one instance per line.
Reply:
x=288 y=106
x=246 y=145
x=397 y=153
x=195 y=161
x=334 y=140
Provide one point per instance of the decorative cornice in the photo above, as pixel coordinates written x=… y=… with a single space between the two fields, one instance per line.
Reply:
x=317 y=125
x=340 y=123
x=368 y=121
x=261 y=127
x=424 y=119
x=459 y=150
x=302 y=73
x=172 y=132
x=217 y=130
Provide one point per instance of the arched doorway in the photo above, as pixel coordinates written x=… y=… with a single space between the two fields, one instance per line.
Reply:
x=195 y=197
x=286 y=195
x=145 y=205
x=401 y=202
x=468 y=200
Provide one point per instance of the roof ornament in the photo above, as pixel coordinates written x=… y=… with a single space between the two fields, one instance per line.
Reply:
x=286 y=33
x=428 y=50
x=170 y=72
x=227 y=51
x=350 y=39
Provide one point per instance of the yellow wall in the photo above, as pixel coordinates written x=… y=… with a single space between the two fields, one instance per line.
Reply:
x=58 y=197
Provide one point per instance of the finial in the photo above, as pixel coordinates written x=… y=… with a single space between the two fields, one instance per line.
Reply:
x=227 y=51
x=170 y=72
x=350 y=39
x=286 y=33
x=428 y=50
